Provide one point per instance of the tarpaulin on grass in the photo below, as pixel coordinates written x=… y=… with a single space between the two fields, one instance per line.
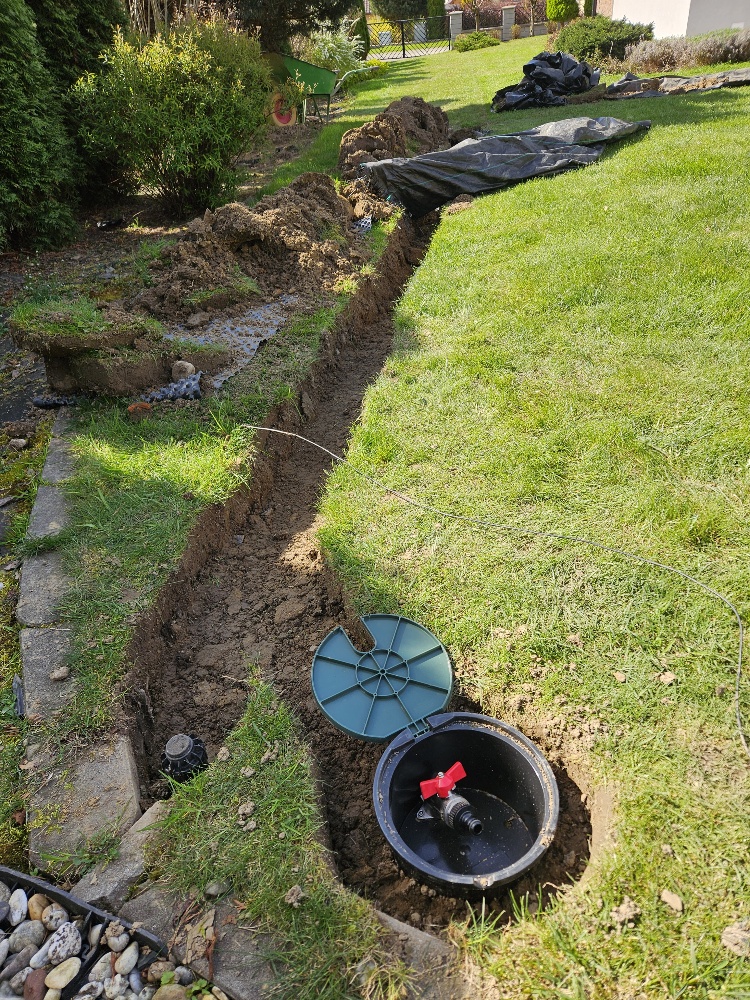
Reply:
x=547 y=79
x=478 y=166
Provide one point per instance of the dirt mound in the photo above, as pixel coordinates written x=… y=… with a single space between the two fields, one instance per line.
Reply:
x=406 y=127
x=298 y=237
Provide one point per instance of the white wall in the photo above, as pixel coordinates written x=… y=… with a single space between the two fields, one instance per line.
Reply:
x=708 y=15
x=669 y=17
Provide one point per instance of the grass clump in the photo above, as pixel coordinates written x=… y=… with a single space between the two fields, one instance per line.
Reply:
x=474 y=40
x=61 y=326
x=263 y=841
x=601 y=393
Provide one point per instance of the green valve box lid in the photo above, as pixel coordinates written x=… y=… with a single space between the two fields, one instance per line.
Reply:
x=375 y=694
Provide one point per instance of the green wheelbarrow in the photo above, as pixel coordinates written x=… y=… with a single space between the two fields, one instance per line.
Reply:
x=319 y=85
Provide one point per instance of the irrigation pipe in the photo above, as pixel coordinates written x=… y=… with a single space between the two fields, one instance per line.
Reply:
x=481 y=522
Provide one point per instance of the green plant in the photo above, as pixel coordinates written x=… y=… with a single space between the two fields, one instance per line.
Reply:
x=475 y=40
x=339 y=50
x=562 y=10
x=703 y=50
x=600 y=37
x=437 y=26
x=276 y=21
x=359 y=26
x=35 y=157
x=171 y=115
x=397 y=10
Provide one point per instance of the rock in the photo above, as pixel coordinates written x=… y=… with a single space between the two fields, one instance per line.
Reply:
x=54 y=916
x=6 y=991
x=17 y=444
x=65 y=973
x=34 y=988
x=667 y=677
x=94 y=934
x=101 y=969
x=736 y=938
x=182 y=369
x=18 y=981
x=18 y=962
x=37 y=905
x=135 y=982
x=4 y=890
x=4 y=911
x=157 y=969
x=19 y=907
x=147 y=993
x=115 y=987
x=197 y=319
x=61 y=674
x=64 y=943
x=52 y=995
x=619 y=676
x=128 y=959
x=90 y=990
x=30 y=933
x=672 y=900
x=183 y=976
x=171 y=992
x=215 y=889
x=117 y=937
x=4 y=949
x=218 y=993
x=40 y=959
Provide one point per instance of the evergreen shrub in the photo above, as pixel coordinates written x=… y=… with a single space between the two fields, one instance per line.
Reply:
x=600 y=37
x=474 y=40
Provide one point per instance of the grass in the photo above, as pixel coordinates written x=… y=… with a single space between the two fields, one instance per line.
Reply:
x=572 y=357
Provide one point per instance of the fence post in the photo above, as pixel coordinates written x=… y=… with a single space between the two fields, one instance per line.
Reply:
x=509 y=19
x=456 y=24
x=403 y=41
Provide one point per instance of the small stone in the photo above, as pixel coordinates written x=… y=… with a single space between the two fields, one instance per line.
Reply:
x=16 y=963
x=38 y=903
x=4 y=890
x=65 y=973
x=736 y=938
x=223 y=755
x=128 y=959
x=95 y=934
x=667 y=677
x=171 y=992
x=294 y=896
x=115 y=987
x=90 y=990
x=18 y=981
x=666 y=849
x=4 y=949
x=135 y=982
x=61 y=674
x=183 y=976
x=117 y=937
x=30 y=933
x=54 y=916
x=182 y=369
x=34 y=988
x=17 y=444
x=197 y=319
x=219 y=994
x=52 y=995
x=101 y=969
x=619 y=676
x=157 y=969
x=19 y=907
x=215 y=889
x=4 y=911
x=147 y=993
x=672 y=900
x=64 y=943
x=415 y=918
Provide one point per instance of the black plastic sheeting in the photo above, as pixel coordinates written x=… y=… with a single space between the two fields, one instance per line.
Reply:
x=547 y=79
x=479 y=166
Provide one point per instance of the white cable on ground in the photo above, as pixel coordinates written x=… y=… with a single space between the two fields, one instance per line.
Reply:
x=532 y=532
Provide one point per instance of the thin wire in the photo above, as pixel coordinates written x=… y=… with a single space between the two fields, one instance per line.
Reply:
x=538 y=533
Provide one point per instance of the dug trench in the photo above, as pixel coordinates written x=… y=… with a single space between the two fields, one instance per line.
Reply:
x=254 y=587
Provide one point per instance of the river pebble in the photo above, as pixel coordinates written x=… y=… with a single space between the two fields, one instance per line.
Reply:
x=95 y=934
x=117 y=937
x=17 y=982
x=52 y=995
x=16 y=963
x=90 y=991
x=28 y=933
x=135 y=982
x=115 y=987
x=34 y=988
x=128 y=959
x=4 y=949
x=65 y=973
x=64 y=943
x=40 y=958
x=54 y=916
x=37 y=905
x=4 y=892
x=19 y=907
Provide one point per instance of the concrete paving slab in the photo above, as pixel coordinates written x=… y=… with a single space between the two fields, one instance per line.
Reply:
x=49 y=514
x=98 y=792
x=59 y=464
x=431 y=958
x=43 y=586
x=108 y=885
x=44 y=650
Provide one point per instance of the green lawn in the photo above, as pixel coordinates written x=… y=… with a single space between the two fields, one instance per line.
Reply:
x=573 y=356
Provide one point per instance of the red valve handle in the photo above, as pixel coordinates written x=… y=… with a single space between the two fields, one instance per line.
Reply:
x=444 y=784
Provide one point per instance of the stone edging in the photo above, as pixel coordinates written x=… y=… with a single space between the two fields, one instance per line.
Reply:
x=99 y=791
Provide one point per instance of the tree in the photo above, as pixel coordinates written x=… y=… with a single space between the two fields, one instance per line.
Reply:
x=275 y=21
x=476 y=8
x=401 y=10
x=35 y=164
x=562 y=10
x=72 y=33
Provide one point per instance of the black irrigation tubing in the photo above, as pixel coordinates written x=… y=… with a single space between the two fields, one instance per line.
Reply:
x=481 y=522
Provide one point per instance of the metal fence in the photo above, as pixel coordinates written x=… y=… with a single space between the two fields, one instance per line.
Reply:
x=403 y=39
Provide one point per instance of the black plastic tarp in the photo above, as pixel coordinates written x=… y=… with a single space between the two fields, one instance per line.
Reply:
x=547 y=79
x=479 y=166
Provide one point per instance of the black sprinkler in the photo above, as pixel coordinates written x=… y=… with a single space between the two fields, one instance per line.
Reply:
x=184 y=756
x=467 y=803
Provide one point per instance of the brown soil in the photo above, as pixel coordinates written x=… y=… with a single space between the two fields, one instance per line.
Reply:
x=267 y=596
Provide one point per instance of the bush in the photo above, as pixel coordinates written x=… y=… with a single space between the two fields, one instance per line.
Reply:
x=172 y=114
x=598 y=36
x=704 y=50
x=475 y=40
x=562 y=10
x=400 y=10
x=339 y=50
x=359 y=27
x=35 y=160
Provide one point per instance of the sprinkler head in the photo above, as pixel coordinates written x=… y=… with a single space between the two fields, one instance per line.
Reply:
x=183 y=757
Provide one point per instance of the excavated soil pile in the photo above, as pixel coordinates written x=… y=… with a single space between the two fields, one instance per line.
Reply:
x=298 y=237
